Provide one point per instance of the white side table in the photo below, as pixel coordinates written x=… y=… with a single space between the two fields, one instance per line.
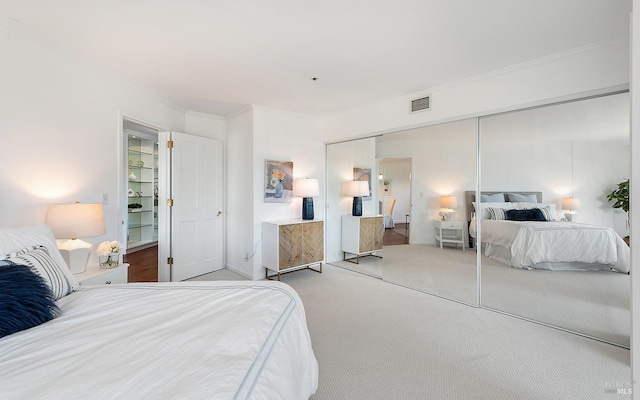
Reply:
x=94 y=275
x=449 y=232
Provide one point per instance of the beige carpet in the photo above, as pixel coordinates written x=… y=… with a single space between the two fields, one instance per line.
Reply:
x=594 y=303
x=375 y=340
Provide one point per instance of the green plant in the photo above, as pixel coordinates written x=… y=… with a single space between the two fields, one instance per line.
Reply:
x=620 y=196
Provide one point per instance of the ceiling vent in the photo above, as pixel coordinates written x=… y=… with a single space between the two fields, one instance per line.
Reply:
x=421 y=104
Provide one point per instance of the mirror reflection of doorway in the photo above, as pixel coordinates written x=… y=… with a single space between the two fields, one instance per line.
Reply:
x=395 y=199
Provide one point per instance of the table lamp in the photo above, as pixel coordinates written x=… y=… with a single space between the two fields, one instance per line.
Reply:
x=356 y=189
x=571 y=204
x=449 y=203
x=306 y=188
x=72 y=221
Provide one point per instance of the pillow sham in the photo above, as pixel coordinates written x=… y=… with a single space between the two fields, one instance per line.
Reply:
x=533 y=214
x=492 y=198
x=497 y=213
x=483 y=213
x=25 y=299
x=14 y=239
x=527 y=206
x=38 y=258
x=515 y=197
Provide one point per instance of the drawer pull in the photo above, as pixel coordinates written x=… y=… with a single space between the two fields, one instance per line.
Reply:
x=107 y=283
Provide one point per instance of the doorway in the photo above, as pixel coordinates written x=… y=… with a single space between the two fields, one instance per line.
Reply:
x=395 y=199
x=140 y=218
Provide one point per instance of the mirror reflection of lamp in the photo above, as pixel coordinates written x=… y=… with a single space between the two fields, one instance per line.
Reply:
x=73 y=221
x=356 y=189
x=306 y=188
x=449 y=203
x=571 y=204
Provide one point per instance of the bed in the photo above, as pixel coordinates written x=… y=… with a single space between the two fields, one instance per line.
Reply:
x=544 y=243
x=195 y=340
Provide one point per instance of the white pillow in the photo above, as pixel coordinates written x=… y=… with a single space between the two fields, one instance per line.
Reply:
x=527 y=206
x=516 y=197
x=15 y=239
x=38 y=258
x=483 y=213
x=492 y=198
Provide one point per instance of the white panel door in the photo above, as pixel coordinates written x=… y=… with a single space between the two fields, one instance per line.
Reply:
x=196 y=187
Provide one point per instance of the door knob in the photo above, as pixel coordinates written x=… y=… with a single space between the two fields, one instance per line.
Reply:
x=218 y=214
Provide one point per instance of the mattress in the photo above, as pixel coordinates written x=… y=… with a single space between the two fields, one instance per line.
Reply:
x=534 y=244
x=196 y=340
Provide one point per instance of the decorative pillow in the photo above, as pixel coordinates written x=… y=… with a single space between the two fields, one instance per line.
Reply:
x=496 y=213
x=492 y=198
x=482 y=208
x=548 y=214
x=14 y=239
x=38 y=258
x=529 y=198
x=25 y=299
x=534 y=214
x=528 y=206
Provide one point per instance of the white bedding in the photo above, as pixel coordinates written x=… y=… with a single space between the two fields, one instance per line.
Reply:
x=196 y=340
x=532 y=244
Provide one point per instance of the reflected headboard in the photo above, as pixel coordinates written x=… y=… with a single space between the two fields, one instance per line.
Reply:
x=470 y=196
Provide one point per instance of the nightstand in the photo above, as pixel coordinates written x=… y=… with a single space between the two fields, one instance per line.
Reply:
x=449 y=232
x=94 y=275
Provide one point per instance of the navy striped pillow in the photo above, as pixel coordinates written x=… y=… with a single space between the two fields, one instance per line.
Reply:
x=496 y=213
x=38 y=258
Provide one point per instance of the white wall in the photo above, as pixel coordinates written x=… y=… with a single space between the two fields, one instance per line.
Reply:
x=279 y=135
x=240 y=196
x=61 y=132
x=206 y=125
x=567 y=75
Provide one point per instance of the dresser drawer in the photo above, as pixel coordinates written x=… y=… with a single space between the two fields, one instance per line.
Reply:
x=106 y=276
x=451 y=225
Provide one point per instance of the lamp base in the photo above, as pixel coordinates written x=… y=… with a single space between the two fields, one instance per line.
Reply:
x=76 y=254
x=356 y=210
x=307 y=208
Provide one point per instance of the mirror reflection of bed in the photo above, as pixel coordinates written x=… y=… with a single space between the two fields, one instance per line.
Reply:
x=577 y=149
x=581 y=146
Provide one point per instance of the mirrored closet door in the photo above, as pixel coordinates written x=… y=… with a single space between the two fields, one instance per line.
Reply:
x=418 y=180
x=577 y=152
x=354 y=241
x=436 y=257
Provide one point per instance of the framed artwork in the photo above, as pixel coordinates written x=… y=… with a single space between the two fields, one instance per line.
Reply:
x=363 y=174
x=278 y=181
x=386 y=187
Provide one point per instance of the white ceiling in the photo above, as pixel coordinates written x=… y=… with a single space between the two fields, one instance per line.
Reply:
x=213 y=56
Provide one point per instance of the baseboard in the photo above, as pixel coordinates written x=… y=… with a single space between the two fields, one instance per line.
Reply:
x=239 y=272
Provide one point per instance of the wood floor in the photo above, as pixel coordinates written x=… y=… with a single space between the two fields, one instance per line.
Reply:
x=143 y=265
x=398 y=235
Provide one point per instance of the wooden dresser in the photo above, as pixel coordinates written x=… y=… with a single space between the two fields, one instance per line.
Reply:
x=293 y=244
x=361 y=236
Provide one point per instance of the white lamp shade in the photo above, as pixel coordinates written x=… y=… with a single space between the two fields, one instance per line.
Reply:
x=570 y=203
x=449 y=202
x=356 y=188
x=68 y=221
x=306 y=187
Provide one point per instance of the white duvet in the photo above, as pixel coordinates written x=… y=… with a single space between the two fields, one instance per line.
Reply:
x=533 y=243
x=196 y=340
